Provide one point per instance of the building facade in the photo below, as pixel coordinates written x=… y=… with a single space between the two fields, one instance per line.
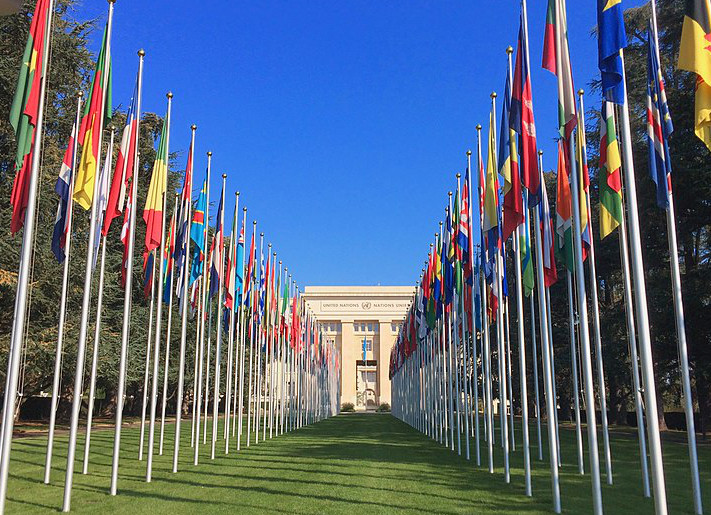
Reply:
x=363 y=322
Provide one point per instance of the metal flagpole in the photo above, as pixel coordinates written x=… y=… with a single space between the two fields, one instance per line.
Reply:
x=283 y=362
x=166 y=367
x=588 y=382
x=265 y=322
x=574 y=368
x=475 y=375
x=242 y=335
x=23 y=278
x=680 y=323
x=645 y=342
x=486 y=354
x=546 y=349
x=231 y=331
x=203 y=305
x=128 y=293
x=632 y=340
x=81 y=344
x=602 y=391
x=184 y=322
x=159 y=308
x=258 y=343
x=148 y=362
x=97 y=327
x=552 y=371
x=206 y=387
x=218 y=336
x=62 y=304
x=252 y=327
x=463 y=339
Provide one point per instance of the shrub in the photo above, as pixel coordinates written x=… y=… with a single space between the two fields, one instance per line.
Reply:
x=347 y=407
x=384 y=407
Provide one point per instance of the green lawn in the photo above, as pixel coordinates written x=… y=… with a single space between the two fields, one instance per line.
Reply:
x=348 y=464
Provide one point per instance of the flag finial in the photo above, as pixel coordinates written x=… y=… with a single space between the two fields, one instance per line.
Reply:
x=493 y=94
x=469 y=152
x=169 y=94
x=478 y=127
x=509 y=50
x=581 y=92
x=141 y=53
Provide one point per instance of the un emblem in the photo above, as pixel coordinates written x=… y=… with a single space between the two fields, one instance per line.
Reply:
x=365 y=305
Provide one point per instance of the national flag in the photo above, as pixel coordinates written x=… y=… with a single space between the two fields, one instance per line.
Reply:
x=584 y=189
x=197 y=234
x=216 y=252
x=148 y=265
x=556 y=59
x=611 y=39
x=463 y=234
x=125 y=234
x=98 y=109
x=124 y=165
x=695 y=56
x=611 y=211
x=508 y=166
x=102 y=198
x=183 y=226
x=153 y=212
x=231 y=270
x=491 y=188
x=564 y=213
x=25 y=111
x=526 y=257
x=550 y=273
x=522 y=119
x=659 y=126
x=168 y=260
x=64 y=209
x=249 y=276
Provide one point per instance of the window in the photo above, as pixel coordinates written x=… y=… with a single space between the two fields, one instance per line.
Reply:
x=370 y=327
x=369 y=345
x=395 y=327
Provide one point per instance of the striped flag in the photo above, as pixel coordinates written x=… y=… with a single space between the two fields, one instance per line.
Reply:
x=168 y=260
x=564 y=213
x=611 y=211
x=98 y=106
x=556 y=59
x=124 y=165
x=659 y=126
x=25 y=110
x=181 y=232
x=197 y=234
x=153 y=212
x=508 y=166
x=550 y=273
x=522 y=119
x=216 y=252
x=64 y=209
x=610 y=40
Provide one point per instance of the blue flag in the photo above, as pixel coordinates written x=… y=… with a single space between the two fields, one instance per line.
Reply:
x=197 y=234
x=611 y=39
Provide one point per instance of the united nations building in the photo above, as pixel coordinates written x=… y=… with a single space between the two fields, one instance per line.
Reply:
x=363 y=322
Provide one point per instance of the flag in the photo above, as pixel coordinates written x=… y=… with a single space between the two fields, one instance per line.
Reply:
x=216 y=251
x=168 y=260
x=611 y=211
x=550 y=273
x=98 y=108
x=659 y=126
x=64 y=209
x=464 y=231
x=249 y=282
x=230 y=276
x=153 y=212
x=124 y=165
x=564 y=216
x=491 y=188
x=556 y=59
x=583 y=189
x=148 y=262
x=526 y=257
x=522 y=120
x=508 y=166
x=25 y=111
x=694 y=56
x=611 y=38
x=183 y=226
x=102 y=200
x=125 y=235
x=197 y=234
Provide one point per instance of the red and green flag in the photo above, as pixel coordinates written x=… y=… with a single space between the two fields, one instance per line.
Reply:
x=25 y=111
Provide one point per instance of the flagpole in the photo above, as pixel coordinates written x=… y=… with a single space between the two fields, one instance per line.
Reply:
x=128 y=293
x=574 y=368
x=203 y=304
x=486 y=354
x=159 y=309
x=230 y=350
x=206 y=387
x=463 y=339
x=252 y=327
x=166 y=368
x=218 y=337
x=546 y=349
x=97 y=329
x=81 y=344
x=242 y=336
x=602 y=391
x=147 y=368
x=534 y=355
x=549 y=310
x=475 y=375
x=645 y=342
x=266 y=337
x=680 y=322
x=62 y=305
x=632 y=341
x=184 y=323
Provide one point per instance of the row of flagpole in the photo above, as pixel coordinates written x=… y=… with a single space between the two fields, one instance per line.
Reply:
x=292 y=374
x=431 y=362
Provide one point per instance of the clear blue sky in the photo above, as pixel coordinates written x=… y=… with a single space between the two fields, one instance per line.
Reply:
x=341 y=122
